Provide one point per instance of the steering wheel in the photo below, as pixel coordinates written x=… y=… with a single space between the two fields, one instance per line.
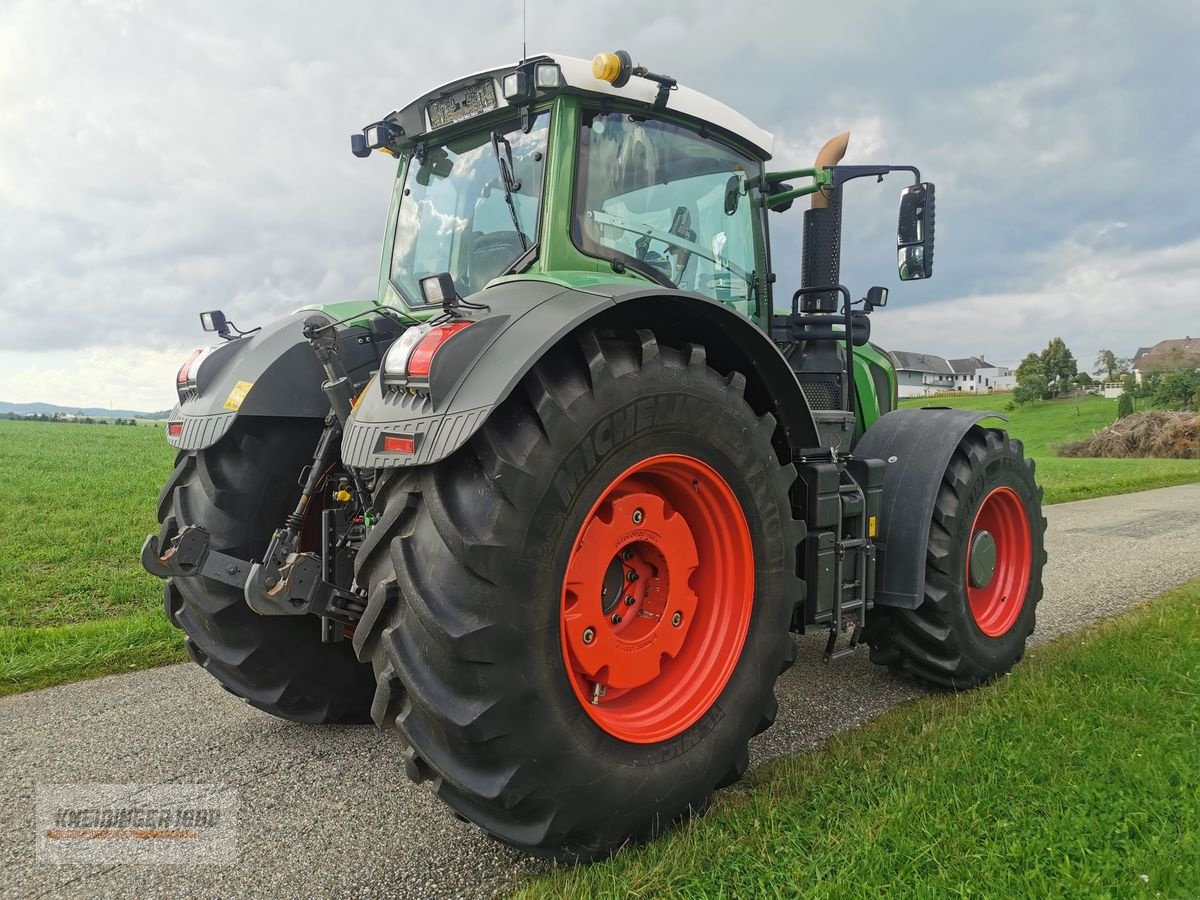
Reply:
x=492 y=253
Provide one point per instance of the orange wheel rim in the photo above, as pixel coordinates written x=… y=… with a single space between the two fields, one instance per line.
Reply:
x=656 y=598
x=999 y=560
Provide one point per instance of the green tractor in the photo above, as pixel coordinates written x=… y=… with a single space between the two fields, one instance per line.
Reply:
x=552 y=504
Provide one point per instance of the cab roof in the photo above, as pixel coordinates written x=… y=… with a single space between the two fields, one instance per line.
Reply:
x=414 y=118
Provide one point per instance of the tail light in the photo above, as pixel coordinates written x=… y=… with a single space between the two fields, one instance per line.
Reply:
x=182 y=377
x=411 y=357
x=185 y=379
x=422 y=355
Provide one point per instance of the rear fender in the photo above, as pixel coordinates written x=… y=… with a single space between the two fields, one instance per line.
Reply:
x=476 y=369
x=273 y=372
x=916 y=445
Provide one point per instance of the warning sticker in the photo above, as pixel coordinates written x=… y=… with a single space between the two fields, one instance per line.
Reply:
x=238 y=394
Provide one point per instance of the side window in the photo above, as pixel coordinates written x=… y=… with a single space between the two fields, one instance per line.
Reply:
x=660 y=197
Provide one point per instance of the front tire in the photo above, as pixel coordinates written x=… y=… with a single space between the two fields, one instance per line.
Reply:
x=983 y=571
x=240 y=490
x=484 y=574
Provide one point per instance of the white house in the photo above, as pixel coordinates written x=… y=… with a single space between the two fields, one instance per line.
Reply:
x=923 y=374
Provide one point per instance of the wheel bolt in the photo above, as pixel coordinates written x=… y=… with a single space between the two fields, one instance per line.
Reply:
x=638 y=516
x=629 y=601
x=616 y=618
x=589 y=635
x=677 y=619
x=631 y=577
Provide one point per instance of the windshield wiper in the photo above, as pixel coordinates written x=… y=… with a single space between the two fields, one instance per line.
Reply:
x=510 y=184
x=620 y=262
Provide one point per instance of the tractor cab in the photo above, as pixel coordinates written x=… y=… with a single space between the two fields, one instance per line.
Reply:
x=560 y=167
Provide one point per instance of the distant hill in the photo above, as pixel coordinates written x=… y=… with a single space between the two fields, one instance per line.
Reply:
x=49 y=409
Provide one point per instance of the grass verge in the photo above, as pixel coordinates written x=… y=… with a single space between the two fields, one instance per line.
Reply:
x=1077 y=775
x=75 y=503
x=34 y=657
x=1042 y=426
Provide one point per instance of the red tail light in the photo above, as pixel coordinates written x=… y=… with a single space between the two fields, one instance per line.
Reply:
x=182 y=377
x=399 y=443
x=174 y=429
x=421 y=358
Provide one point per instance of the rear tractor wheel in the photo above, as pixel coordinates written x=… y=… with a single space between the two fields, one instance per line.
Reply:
x=576 y=621
x=239 y=490
x=983 y=571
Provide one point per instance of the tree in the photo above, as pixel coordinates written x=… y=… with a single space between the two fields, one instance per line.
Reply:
x=1030 y=365
x=1030 y=386
x=1110 y=365
x=1176 y=389
x=1124 y=406
x=1058 y=365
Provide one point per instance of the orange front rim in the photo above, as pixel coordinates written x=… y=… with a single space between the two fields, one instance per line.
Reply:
x=656 y=598
x=999 y=560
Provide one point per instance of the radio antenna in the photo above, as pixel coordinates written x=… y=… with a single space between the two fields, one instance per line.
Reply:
x=524 y=47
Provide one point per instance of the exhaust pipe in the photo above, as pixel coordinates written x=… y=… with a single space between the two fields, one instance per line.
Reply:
x=829 y=155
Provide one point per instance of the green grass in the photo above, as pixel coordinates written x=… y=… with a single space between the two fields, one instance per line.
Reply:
x=1078 y=775
x=76 y=501
x=1044 y=425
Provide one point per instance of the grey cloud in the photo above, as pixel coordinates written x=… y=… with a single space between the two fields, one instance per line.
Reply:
x=157 y=159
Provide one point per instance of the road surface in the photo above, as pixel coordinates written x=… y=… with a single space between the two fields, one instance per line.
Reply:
x=326 y=811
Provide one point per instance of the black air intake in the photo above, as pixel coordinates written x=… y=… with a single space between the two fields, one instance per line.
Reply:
x=822 y=254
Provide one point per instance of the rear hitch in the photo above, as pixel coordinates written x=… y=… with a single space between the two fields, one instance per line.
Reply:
x=189 y=555
x=297 y=588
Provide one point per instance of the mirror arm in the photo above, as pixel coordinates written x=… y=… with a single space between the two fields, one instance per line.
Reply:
x=820 y=177
x=839 y=175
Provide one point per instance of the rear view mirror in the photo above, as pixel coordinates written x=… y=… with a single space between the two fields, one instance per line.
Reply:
x=733 y=191
x=914 y=234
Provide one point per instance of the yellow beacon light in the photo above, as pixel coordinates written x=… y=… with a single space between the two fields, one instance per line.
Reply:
x=615 y=68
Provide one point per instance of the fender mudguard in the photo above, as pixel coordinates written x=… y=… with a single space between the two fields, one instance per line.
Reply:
x=272 y=372
x=476 y=369
x=916 y=445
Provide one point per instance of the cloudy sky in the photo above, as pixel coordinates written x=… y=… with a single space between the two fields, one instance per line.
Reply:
x=160 y=158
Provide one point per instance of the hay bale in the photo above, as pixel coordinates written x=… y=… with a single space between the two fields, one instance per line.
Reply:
x=1157 y=434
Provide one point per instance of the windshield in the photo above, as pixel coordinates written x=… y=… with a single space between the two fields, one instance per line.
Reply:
x=669 y=203
x=469 y=207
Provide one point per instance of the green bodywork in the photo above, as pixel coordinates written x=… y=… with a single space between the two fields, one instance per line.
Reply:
x=560 y=261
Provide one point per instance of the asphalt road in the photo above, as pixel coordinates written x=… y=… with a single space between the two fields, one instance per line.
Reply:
x=325 y=811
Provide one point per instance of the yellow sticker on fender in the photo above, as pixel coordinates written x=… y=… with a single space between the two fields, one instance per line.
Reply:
x=238 y=394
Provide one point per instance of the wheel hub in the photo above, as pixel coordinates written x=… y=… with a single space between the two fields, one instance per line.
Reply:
x=631 y=639
x=983 y=559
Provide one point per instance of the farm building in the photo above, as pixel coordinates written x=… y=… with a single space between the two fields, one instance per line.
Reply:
x=923 y=374
x=1166 y=356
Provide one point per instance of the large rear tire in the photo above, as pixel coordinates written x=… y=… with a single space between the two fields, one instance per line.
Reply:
x=983 y=571
x=240 y=490
x=614 y=457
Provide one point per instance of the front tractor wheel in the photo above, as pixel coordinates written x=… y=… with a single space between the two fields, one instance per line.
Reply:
x=576 y=621
x=983 y=571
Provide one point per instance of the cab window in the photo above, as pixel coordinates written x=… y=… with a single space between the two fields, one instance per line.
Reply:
x=664 y=200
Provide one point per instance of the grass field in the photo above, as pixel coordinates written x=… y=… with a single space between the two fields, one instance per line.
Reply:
x=75 y=503
x=1078 y=775
x=1044 y=425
